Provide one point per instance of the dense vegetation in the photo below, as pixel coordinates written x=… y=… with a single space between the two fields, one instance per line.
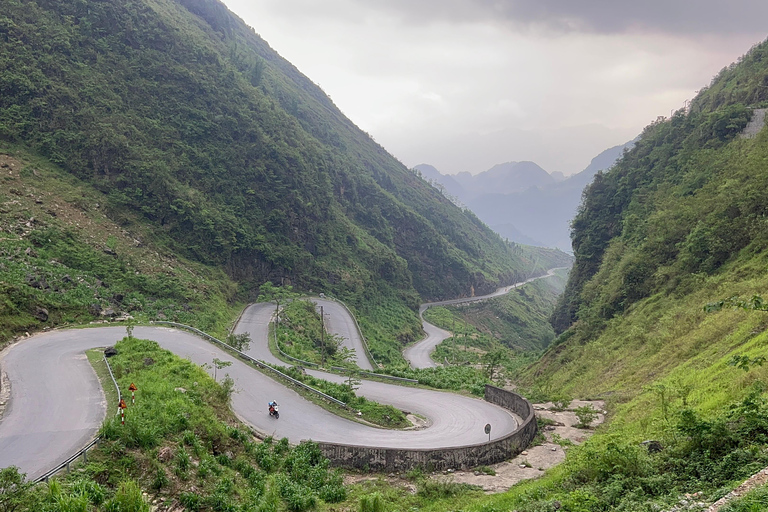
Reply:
x=697 y=456
x=519 y=319
x=683 y=202
x=182 y=114
x=677 y=224
x=62 y=260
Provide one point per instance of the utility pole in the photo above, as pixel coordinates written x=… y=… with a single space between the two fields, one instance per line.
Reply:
x=454 y=339
x=322 y=336
x=466 y=346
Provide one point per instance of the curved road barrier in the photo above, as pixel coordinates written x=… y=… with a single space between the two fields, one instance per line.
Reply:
x=394 y=459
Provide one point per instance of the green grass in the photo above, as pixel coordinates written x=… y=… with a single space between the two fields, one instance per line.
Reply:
x=61 y=253
x=182 y=444
x=665 y=370
x=754 y=501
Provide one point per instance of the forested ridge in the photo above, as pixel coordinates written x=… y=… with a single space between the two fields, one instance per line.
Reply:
x=184 y=116
x=663 y=316
x=682 y=203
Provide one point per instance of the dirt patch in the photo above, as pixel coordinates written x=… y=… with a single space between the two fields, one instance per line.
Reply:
x=533 y=462
x=417 y=422
x=755 y=480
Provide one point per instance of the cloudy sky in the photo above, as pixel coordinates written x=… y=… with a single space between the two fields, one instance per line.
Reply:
x=466 y=84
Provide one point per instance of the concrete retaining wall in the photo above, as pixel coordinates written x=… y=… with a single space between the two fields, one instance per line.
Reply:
x=394 y=459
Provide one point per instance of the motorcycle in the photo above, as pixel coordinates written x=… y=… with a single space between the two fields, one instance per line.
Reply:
x=273 y=411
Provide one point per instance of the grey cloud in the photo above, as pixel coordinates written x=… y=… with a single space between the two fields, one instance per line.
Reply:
x=684 y=17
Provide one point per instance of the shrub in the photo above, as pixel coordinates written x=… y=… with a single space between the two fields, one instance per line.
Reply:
x=560 y=403
x=128 y=498
x=586 y=415
x=438 y=489
x=373 y=502
x=14 y=492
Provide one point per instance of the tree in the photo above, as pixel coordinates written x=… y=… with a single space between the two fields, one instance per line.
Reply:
x=218 y=364
x=756 y=303
x=241 y=342
x=14 y=492
x=492 y=360
x=586 y=415
x=347 y=358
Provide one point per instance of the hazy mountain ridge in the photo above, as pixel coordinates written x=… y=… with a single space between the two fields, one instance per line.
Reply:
x=521 y=201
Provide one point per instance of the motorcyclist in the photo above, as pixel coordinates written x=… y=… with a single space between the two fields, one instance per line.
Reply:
x=272 y=406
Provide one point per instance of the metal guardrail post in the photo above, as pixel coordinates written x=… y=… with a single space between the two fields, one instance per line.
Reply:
x=119 y=396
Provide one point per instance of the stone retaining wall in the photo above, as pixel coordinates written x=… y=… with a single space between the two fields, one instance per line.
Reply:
x=394 y=459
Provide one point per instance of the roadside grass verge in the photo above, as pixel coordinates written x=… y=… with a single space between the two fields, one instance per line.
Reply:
x=182 y=444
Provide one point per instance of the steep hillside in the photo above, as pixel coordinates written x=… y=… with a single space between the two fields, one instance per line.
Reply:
x=680 y=219
x=682 y=203
x=184 y=114
x=62 y=260
x=662 y=241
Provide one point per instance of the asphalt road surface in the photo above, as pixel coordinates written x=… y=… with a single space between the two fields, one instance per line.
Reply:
x=419 y=355
x=57 y=405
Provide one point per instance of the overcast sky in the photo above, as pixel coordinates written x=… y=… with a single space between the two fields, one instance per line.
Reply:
x=467 y=84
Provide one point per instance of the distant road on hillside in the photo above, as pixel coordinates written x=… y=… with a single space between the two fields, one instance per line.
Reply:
x=419 y=355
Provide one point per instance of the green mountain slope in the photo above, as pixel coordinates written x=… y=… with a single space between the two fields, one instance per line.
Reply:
x=682 y=203
x=196 y=131
x=179 y=111
x=679 y=223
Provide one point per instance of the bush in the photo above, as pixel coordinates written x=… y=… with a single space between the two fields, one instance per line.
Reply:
x=437 y=489
x=586 y=415
x=14 y=492
x=296 y=496
x=373 y=502
x=128 y=498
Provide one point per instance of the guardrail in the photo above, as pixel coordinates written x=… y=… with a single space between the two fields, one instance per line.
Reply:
x=294 y=359
x=402 y=459
x=258 y=363
x=338 y=368
x=84 y=452
x=371 y=374
x=119 y=395
x=66 y=464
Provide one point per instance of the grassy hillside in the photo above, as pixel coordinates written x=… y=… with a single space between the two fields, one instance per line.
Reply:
x=182 y=115
x=677 y=224
x=63 y=260
x=683 y=202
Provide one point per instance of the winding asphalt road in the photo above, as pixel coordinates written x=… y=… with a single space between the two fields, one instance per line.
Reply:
x=419 y=355
x=56 y=402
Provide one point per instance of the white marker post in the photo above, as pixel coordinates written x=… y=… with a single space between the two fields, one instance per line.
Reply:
x=122 y=407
